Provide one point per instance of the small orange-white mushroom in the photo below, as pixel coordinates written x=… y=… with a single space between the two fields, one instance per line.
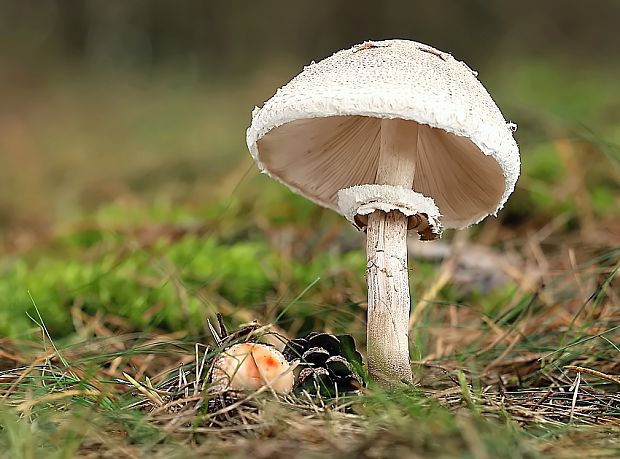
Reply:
x=250 y=366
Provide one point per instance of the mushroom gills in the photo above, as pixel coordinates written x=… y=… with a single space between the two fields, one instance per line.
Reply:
x=338 y=152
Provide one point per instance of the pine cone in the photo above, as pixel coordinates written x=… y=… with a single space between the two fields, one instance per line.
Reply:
x=328 y=363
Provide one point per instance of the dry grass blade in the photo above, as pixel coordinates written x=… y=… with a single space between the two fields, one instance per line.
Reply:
x=599 y=374
x=151 y=395
x=575 y=389
x=445 y=273
x=27 y=405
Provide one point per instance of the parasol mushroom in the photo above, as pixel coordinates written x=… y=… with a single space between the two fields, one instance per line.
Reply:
x=395 y=135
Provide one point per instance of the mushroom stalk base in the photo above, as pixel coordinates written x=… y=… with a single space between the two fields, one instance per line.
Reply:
x=388 y=298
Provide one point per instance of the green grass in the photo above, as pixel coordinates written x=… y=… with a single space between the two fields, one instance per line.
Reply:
x=116 y=269
x=113 y=298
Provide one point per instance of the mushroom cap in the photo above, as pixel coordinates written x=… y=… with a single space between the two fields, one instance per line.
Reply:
x=249 y=366
x=320 y=133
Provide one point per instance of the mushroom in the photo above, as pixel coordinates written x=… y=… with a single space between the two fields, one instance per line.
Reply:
x=250 y=366
x=395 y=135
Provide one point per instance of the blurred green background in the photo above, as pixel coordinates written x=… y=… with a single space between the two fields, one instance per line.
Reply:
x=101 y=101
x=122 y=124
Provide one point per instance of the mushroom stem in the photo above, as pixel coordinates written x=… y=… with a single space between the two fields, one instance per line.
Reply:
x=398 y=152
x=387 y=275
x=388 y=298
